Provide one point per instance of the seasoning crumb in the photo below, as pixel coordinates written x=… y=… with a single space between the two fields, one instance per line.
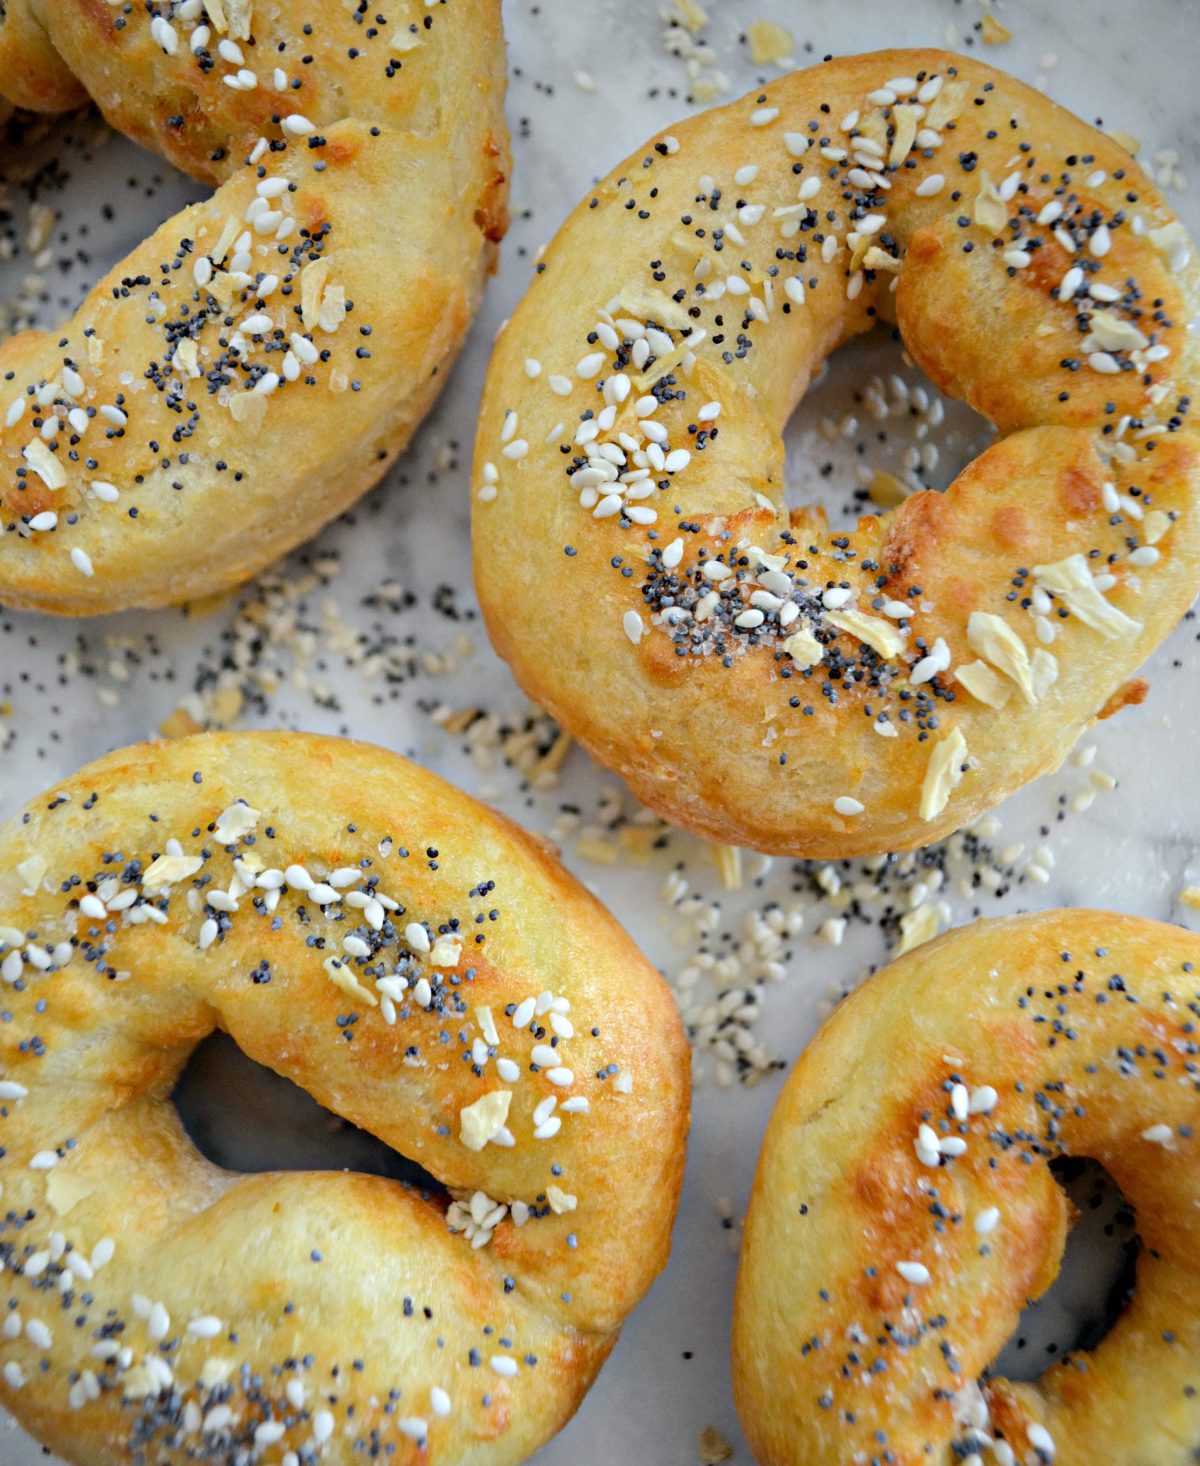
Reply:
x=770 y=42
x=712 y=1447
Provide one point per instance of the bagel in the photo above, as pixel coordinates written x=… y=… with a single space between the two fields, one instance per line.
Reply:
x=904 y=1209
x=418 y=965
x=258 y=362
x=752 y=674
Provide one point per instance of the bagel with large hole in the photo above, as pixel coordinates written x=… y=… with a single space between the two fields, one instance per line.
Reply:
x=904 y=1209
x=258 y=362
x=752 y=674
x=418 y=965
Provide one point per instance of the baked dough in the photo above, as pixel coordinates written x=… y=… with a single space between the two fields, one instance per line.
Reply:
x=752 y=675
x=904 y=1209
x=416 y=963
x=258 y=362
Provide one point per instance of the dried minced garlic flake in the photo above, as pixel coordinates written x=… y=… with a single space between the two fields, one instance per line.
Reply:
x=728 y=860
x=1071 y=581
x=769 y=42
x=238 y=820
x=239 y=13
x=713 y=1447
x=886 y=490
x=239 y=19
x=881 y=636
x=168 y=869
x=946 y=106
x=694 y=16
x=313 y=279
x=229 y=232
x=942 y=773
x=917 y=927
x=984 y=684
x=139 y=1384
x=179 y=724
x=215 y=1372
x=487 y=1025
x=248 y=407
x=1043 y=668
x=1155 y=525
x=44 y=464
x=879 y=259
x=1190 y=897
x=803 y=647
x=446 y=951
x=1126 y=140
x=65 y=1190
x=995 y=640
x=332 y=311
x=32 y=872
x=654 y=305
x=994 y=32
x=405 y=38
x=990 y=209
x=342 y=977
x=906 y=120
x=484 y=1120
x=1107 y=332
x=560 y=1201
x=187 y=357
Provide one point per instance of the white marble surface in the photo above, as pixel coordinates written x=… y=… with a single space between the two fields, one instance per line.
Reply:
x=68 y=692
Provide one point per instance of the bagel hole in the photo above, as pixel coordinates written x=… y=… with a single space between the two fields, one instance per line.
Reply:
x=1094 y=1283
x=244 y=1117
x=838 y=439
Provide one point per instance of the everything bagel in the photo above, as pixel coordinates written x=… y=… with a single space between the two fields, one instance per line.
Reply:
x=421 y=967
x=258 y=362
x=904 y=1209
x=752 y=675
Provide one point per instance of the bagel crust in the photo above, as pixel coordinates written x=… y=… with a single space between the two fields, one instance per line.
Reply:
x=904 y=1209
x=421 y=967
x=752 y=675
x=260 y=360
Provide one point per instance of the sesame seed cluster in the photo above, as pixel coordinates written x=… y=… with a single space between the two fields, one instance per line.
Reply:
x=886 y=684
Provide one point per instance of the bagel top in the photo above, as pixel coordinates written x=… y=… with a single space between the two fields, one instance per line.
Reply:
x=753 y=675
x=421 y=967
x=904 y=1210
x=258 y=361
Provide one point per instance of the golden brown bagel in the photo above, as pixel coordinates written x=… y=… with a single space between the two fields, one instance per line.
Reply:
x=836 y=734
x=261 y=359
x=315 y=1312
x=880 y=1276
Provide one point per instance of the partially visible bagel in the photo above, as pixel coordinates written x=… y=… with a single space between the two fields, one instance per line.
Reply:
x=904 y=1210
x=417 y=964
x=258 y=362
x=629 y=464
